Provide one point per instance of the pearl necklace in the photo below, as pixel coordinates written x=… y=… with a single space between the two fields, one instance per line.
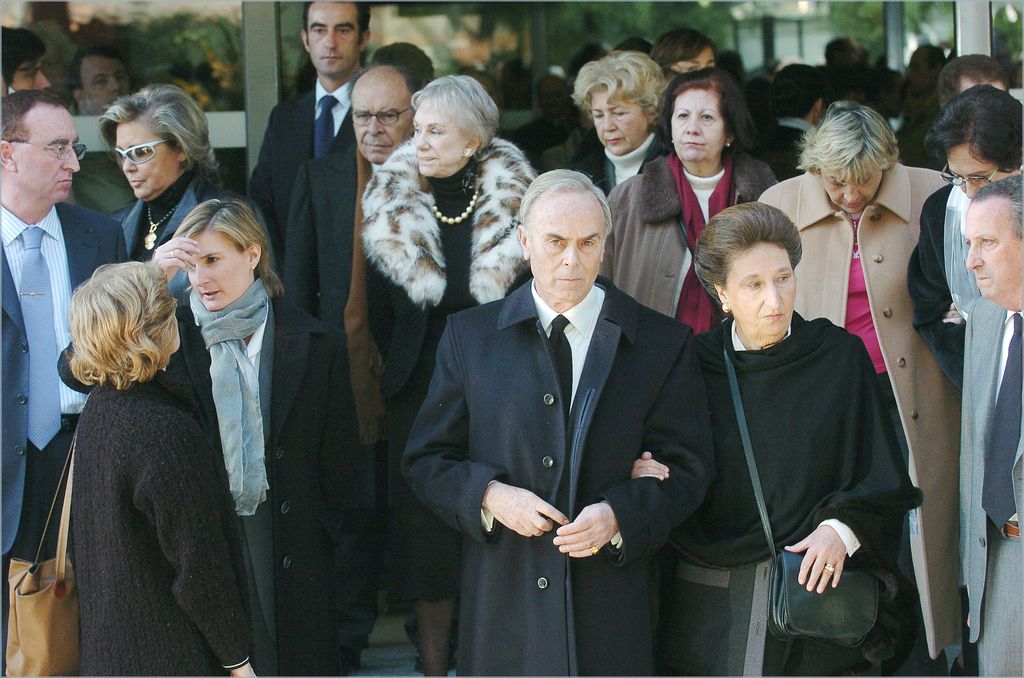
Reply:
x=462 y=217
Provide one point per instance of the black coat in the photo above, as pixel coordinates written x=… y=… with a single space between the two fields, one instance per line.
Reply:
x=929 y=291
x=318 y=264
x=157 y=553
x=490 y=415
x=287 y=143
x=311 y=457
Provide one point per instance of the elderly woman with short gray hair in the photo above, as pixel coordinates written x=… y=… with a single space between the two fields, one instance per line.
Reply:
x=858 y=211
x=835 y=484
x=439 y=234
x=162 y=141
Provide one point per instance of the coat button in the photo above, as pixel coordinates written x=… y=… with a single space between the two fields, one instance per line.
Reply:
x=279 y=453
x=878 y=258
x=285 y=507
x=22 y=399
x=913 y=414
x=887 y=312
x=549 y=399
x=876 y=215
x=542 y=583
x=981 y=542
x=19 y=449
x=24 y=347
x=286 y=562
x=901 y=361
x=548 y=462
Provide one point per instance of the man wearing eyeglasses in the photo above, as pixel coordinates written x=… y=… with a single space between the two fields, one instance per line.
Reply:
x=49 y=248
x=323 y=274
x=317 y=122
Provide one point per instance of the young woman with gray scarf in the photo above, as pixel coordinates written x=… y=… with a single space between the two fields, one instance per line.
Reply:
x=274 y=397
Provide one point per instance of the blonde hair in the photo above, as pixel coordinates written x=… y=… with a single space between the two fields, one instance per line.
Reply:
x=853 y=141
x=236 y=221
x=122 y=325
x=626 y=76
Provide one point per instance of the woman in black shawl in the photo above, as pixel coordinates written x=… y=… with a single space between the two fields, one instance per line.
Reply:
x=834 y=481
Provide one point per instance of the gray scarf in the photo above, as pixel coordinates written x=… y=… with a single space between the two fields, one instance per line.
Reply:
x=236 y=392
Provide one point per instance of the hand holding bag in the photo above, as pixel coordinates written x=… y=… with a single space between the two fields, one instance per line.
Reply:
x=841 y=616
x=42 y=632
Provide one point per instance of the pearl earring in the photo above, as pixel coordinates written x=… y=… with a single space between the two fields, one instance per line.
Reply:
x=726 y=308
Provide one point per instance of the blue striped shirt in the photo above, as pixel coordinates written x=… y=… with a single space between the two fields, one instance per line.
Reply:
x=55 y=253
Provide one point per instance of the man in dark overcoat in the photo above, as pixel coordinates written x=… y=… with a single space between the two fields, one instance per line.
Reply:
x=538 y=408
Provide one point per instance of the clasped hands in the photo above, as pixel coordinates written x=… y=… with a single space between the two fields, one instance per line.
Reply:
x=528 y=515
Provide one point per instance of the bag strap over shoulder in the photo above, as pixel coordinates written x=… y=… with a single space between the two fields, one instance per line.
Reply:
x=748 y=450
x=65 y=515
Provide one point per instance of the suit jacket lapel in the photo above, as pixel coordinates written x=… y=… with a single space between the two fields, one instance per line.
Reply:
x=80 y=246
x=291 y=353
x=129 y=224
x=11 y=302
x=303 y=124
x=346 y=134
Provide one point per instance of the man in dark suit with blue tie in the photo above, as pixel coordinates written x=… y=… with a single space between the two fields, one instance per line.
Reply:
x=991 y=461
x=318 y=122
x=49 y=248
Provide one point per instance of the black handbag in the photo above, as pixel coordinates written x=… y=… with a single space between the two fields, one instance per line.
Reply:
x=841 y=616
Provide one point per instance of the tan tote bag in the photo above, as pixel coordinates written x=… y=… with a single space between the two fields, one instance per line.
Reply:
x=42 y=632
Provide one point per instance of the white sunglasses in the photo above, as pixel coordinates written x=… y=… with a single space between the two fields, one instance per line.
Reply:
x=140 y=153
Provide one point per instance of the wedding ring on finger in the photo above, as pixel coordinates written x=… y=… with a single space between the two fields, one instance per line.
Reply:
x=594 y=550
x=830 y=568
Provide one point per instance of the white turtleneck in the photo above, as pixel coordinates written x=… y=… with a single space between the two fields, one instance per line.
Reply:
x=628 y=165
x=703 y=187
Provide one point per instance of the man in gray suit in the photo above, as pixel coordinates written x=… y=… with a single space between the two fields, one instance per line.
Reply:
x=991 y=490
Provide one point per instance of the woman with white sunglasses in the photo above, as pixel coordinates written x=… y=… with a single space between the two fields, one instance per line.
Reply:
x=162 y=141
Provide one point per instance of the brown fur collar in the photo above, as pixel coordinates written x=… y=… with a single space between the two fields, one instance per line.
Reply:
x=659 y=198
x=402 y=239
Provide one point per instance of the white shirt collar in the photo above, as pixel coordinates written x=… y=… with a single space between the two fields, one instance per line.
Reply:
x=738 y=345
x=342 y=94
x=13 y=225
x=582 y=317
x=255 y=345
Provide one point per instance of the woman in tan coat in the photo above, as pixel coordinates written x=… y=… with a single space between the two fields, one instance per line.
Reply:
x=857 y=210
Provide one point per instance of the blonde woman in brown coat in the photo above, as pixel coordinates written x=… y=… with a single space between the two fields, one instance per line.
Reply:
x=858 y=210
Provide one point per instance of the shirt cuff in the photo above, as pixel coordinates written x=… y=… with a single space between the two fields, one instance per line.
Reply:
x=232 y=667
x=486 y=520
x=616 y=541
x=845 y=533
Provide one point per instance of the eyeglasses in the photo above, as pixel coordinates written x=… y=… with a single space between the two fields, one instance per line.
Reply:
x=386 y=118
x=61 y=150
x=140 y=153
x=957 y=180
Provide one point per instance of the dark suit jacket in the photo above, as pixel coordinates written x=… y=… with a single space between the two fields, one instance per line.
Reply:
x=312 y=468
x=926 y=283
x=91 y=240
x=318 y=243
x=494 y=412
x=287 y=143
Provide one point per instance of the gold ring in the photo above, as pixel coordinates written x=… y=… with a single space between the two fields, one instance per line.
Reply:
x=830 y=568
x=594 y=550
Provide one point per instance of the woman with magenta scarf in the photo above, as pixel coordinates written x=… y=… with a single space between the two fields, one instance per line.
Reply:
x=659 y=214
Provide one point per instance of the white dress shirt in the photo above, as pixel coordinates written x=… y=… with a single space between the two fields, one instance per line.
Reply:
x=842 y=529
x=255 y=346
x=55 y=253
x=344 y=96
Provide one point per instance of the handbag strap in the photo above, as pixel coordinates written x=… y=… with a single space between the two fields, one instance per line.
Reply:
x=748 y=450
x=65 y=515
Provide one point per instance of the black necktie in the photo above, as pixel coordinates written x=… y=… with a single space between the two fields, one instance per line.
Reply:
x=323 y=134
x=997 y=490
x=563 y=360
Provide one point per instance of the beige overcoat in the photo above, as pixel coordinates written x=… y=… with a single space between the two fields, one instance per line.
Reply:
x=929 y=405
